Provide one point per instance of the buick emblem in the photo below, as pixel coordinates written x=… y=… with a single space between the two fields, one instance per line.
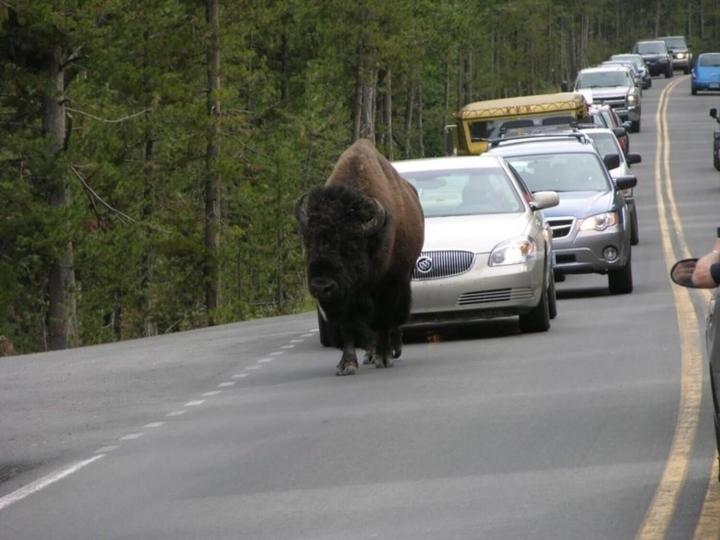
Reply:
x=424 y=264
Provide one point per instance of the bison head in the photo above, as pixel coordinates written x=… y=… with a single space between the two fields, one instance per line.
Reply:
x=341 y=232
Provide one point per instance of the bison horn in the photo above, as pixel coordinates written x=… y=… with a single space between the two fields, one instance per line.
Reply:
x=301 y=210
x=374 y=224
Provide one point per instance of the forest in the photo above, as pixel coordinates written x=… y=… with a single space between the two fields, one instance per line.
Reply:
x=151 y=150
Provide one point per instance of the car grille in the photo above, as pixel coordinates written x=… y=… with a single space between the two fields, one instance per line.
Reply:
x=614 y=102
x=440 y=264
x=561 y=227
x=497 y=295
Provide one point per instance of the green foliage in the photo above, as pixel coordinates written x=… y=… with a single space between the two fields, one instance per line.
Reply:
x=136 y=156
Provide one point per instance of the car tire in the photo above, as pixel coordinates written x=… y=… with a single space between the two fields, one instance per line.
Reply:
x=635 y=126
x=634 y=230
x=693 y=90
x=669 y=73
x=716 y=161
x=620 y=281
x=327 y=332
x=649 y=84
x=538 y=318
x=552 y=299
x=686 y=71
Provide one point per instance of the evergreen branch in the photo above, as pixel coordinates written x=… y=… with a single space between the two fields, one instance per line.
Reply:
x=114 y=121
x=98 y=197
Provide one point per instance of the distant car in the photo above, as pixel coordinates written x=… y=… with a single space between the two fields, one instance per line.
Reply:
x=591 y=224
x=706 y=73
x=613 y=86
x=605 y=116
x=488 y=249
x=606 y=144
x=656 y=56
x=681 y=54
x=641 y=65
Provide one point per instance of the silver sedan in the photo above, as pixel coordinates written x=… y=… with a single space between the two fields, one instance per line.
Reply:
x=487 y=250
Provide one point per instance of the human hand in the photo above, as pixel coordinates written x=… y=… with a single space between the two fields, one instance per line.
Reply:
x=701 y=276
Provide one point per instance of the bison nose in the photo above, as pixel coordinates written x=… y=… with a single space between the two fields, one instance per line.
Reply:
x=323 y=287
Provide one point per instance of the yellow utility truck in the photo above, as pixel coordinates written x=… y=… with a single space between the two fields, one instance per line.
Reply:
x=479 y=122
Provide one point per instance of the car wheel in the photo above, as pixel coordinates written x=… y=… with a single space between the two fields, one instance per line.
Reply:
x=634 y=231
x=552 y=299
x=538 y=318
x=693 y=91
x=669 y=73
x=716 y=161
x=649 y=84
x=686 y=71
x=635 y=126
x=328 y=332
x=620 y=281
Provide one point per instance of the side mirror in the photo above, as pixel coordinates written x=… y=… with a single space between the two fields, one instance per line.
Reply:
x=544 y=199
x=627 y=124
x=625 y=182
x=619 y=131
x=713 y=113
x=682 y=271
x=632 y=159
x=612 y=161
x=564 y=86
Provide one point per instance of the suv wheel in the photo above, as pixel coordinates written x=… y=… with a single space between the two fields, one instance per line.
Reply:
x=669 y=73
x=635 y=126
x=620 y=281
x=686 y=70
x=538 y=318
x=634 y=230
x=552 y=299
x=693 y=90
x=716 y=161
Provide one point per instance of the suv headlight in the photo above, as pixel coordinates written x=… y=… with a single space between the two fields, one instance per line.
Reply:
x=600 y=222
x=632 y=99
x=680 y=55
x=514 y=251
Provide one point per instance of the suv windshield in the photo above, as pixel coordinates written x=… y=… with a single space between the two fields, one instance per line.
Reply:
x=465 y=191
x=675 y=43
x=600 y=79
x=710 y=60
x=605 y=143
x=637 y=60
x=561 y=172
x=651 y=47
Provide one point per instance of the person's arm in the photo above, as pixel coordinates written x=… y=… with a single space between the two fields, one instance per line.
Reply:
x=707 y=269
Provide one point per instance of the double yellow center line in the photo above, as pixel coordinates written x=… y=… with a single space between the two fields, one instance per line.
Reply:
x=663 y=506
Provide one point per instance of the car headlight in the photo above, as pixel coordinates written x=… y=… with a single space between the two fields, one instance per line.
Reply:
x=600 y=222
x=680 y=56
x=632 y=99
x=514 y=251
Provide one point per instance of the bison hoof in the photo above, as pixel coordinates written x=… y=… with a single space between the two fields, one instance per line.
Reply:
x=396 y=352
x=368 y=359
x=346 y=369
x=383 y=362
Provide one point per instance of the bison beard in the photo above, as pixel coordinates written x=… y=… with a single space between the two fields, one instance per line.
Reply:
x=362 y=233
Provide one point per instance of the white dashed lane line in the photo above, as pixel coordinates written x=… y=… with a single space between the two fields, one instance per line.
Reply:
x=107 y=449
x=175 y=413
x=194 y=403
x=252 y=368
x=212 y=393
x=131 y=436
x=239 y=375
x=226 y=384
x=277 y=353
x=152 y=425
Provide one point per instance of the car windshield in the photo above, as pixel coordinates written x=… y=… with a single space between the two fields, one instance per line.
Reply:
x=675 y=43
x=605 y=143
x=635 y=59
x=465 y=191
x=651 y=47
x=562 y=172
x=601 y=79
x=710 y=60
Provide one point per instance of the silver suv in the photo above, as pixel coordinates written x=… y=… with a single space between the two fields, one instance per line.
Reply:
x=591 y=223
x=612 y=85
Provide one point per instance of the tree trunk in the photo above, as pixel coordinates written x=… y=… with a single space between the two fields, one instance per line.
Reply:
x=421 y=135
x=147 y=264
x=389 y=147
x=657 y=17
x=62 y=313
x=212 y=175
x=409 y=107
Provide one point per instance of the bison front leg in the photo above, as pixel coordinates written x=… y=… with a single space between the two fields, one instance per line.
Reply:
x=348 y=364
x=382 y=356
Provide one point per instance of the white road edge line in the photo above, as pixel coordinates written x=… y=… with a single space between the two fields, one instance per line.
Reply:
x=175 y=413
x=44 y=482
x=239 y=376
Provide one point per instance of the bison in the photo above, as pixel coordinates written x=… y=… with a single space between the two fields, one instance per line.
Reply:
x=362 y=232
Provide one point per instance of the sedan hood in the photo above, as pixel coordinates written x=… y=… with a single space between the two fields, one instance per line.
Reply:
x=581 y=204
x=478 y=233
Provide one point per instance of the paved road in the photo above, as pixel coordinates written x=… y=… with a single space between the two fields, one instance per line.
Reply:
x=243 y=430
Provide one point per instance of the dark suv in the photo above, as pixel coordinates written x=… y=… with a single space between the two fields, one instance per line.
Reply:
x=656 y=55
x=681 y=54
